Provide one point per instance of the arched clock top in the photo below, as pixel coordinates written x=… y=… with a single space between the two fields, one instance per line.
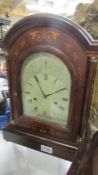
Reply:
x=51 y=21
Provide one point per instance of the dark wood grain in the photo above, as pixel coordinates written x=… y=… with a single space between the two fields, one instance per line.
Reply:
x=89 y=163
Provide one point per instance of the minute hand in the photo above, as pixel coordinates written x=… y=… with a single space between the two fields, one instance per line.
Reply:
x=47 y=95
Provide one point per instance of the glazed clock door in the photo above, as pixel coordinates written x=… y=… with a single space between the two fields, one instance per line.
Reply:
x=45 y=86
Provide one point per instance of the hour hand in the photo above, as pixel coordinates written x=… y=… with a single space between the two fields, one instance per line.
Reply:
x=36 y=79
x=55 y=92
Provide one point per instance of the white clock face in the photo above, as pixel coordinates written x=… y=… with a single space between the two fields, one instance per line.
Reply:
x=45 y=87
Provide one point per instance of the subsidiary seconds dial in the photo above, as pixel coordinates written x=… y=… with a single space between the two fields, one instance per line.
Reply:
x=45 y=86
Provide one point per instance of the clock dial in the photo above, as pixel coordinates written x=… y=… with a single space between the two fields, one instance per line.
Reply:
x=45 y=87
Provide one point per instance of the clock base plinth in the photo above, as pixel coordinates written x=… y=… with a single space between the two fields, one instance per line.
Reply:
x=17 y=135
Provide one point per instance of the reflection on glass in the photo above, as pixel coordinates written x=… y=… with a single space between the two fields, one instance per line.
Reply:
x=94 y=107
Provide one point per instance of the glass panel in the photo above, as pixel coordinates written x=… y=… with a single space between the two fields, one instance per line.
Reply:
x=94 y=106
x=45 y=85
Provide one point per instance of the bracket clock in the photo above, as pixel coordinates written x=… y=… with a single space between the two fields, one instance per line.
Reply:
x=51 y=70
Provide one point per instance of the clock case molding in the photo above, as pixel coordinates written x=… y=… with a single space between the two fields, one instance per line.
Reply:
x=76 y=48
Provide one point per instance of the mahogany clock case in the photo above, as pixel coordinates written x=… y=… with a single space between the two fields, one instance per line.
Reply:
x=72 y=45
